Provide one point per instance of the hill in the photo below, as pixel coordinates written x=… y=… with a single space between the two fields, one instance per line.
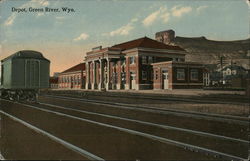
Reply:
x=207 y=51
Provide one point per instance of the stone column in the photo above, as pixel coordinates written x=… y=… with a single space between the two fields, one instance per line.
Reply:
x=127 y=85
x=138 y=74
x=87 y=76
x=94 y=75
x=101 y=75
x=119 y=75
x=108 y=75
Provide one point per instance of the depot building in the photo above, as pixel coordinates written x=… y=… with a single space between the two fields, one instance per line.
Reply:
x=140 y=64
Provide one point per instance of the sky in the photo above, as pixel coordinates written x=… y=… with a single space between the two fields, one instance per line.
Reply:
x=65 y=37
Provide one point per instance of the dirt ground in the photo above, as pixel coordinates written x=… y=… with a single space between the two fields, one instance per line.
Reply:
x=224 y=102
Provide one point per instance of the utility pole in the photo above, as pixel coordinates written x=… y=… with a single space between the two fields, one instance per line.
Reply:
x=221 y=62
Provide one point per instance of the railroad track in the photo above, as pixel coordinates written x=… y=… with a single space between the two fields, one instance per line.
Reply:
x=66 y=144
x=171 y=98
x=190 y=147
x=1 y=157
x=219 y=117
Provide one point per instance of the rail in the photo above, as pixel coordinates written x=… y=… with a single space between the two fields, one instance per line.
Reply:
x=146 y=135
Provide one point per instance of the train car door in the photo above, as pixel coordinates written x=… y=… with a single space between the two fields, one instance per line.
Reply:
x=32 y=74
x=132 y=80
x=165 y=79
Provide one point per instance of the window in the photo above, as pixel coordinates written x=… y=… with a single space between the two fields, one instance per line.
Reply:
x=180 y=74
x=79 y=79
x=176 y=59
x=123 y=62
x=194 y=74
x=152 y=75
x=123 y=77
x=156 y=74
x=144 y=60
x=144 y=75
x=132 y=60
x=150 y=59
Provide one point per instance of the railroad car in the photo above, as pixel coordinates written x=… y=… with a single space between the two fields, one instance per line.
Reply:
x=23 y=74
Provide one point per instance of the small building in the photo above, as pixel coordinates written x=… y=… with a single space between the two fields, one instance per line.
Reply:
x=175 y=75
x=72 y=78
x=234 y=76
x=234 y=70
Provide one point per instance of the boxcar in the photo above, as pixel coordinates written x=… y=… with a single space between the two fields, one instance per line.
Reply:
x=23 y=74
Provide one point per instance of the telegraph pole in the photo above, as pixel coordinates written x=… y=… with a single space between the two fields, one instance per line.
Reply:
x=221 y=66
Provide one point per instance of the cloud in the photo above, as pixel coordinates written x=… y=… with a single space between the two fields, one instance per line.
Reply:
x=83 y=36
x=134 y=20
x=1 y=1
x=151 y=18
x=40 y=14
x=199 y=9
x=10 y=20
x=165 y=17
x=248 y=2
x=179 y=11
x=40 y=2
x=60 y=17
x=161 y=14
x=124 y=30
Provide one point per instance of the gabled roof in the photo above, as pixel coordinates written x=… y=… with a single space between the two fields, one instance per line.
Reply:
x=146 y=42
x=234 y=67
x=78 y=67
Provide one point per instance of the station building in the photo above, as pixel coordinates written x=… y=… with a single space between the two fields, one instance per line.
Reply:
x=72 y=78
x=139 y=64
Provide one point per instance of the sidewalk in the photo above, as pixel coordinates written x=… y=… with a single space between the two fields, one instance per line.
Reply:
x=189 y=92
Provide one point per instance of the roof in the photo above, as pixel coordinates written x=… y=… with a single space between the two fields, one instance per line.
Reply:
x=78 y=67
x=234 y=67
x=177 y=62
x=26 y=54
x=146 y=42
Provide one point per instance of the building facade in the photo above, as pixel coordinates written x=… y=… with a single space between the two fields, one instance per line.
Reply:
x=175 y=75
x=72 y=78
x=128 y=65
x=53 y=82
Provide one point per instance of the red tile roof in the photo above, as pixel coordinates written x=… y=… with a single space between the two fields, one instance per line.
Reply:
x=78 y=67
x=146 y=43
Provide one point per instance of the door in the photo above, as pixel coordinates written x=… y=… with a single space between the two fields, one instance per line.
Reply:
x=132 y=80
x=32 y=74
x=71 y=82
x=165 y=80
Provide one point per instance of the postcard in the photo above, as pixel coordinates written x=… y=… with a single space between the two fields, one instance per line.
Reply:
x=124 y=80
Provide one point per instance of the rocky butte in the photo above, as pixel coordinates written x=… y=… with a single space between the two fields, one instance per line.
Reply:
x=200 y=49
